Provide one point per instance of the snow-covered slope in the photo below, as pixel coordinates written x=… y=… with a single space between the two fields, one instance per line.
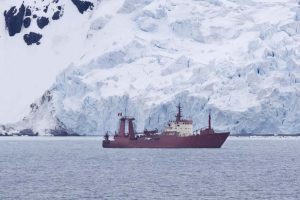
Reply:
x=26 y=71
x=239 y=59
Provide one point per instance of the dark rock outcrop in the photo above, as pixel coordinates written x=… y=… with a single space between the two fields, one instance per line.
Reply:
x=62 y=132
x=34 y=107
x=47 y=97
x=46 y=9
x=28 y=132
x=42 y=22
x=32 y=38
x=28 y=12
x=83 y=6
x=27 y=22
x=14 y=19
x=56 y=15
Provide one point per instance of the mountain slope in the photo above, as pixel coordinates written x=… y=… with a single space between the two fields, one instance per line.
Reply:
x=237 y=59
x=28 y=70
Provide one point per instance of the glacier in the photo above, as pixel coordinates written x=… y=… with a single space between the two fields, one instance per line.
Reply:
x=238 y=60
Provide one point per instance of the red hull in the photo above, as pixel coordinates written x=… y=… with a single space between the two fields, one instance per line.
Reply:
x=214 y=140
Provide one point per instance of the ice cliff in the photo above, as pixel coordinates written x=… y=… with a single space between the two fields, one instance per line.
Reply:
x=238 y=59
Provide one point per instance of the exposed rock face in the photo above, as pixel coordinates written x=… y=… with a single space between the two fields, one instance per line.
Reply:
x=28 y=11
x=27 y=22
x=32 y=38
x=83 y=6
x=42 y=22
x=56 y=15
x=14 y=19
x=27 y=132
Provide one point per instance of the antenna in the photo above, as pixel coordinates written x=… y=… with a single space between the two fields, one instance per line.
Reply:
x=209 y=120
x=178 y=115
x=126 y=104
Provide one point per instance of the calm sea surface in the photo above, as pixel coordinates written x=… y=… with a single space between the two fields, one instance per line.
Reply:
x=78 y=168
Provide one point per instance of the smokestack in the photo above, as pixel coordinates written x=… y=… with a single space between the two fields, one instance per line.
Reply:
x=131 y=130
x=122 y=127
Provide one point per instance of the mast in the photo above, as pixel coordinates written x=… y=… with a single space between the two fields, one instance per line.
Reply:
x=209 y=121
x=178 y=116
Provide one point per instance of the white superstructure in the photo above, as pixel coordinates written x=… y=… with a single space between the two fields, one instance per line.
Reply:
x=183 y=127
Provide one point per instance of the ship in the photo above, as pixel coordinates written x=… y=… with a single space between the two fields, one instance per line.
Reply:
x=178 y=133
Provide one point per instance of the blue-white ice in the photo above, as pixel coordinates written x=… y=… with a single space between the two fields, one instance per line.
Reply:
x=239 y=60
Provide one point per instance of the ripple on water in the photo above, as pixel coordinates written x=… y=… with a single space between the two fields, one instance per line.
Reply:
x=78 y=168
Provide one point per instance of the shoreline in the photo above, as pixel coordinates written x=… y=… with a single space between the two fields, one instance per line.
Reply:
x=101 y=136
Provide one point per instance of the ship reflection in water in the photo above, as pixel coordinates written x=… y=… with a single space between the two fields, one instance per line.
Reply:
x=178 y=134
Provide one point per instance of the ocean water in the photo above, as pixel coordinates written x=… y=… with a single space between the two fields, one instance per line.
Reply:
x=79 y=168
